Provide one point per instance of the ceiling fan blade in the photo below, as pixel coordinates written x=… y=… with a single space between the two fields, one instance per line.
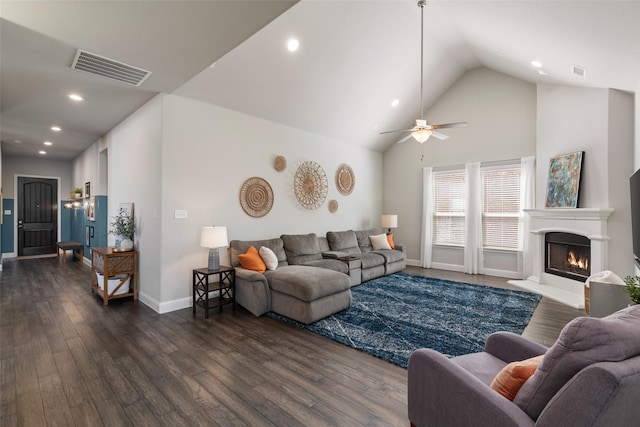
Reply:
x=439 y=135
x=404 y=139
x=450 y=125
x=393 y=131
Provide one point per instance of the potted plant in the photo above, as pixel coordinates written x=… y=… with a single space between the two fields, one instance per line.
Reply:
x=633 y=288
x=76 y=193
x=124 y=226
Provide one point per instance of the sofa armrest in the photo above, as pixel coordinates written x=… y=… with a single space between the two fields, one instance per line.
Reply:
x=400 y=247
x=252 y=291
x=510 y=347
x=442 y=393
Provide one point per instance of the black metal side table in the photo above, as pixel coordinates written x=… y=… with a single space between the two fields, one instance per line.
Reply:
x=202 y=286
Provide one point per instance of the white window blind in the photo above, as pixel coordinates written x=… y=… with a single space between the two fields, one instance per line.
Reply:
x=448 y=208
x=501 y=207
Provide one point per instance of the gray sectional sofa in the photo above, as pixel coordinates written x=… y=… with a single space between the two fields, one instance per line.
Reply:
x=314 y=274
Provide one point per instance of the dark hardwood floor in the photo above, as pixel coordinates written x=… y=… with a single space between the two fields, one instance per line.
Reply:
x=67 y=360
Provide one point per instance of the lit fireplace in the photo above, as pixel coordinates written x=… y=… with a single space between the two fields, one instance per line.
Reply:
x=568 y=255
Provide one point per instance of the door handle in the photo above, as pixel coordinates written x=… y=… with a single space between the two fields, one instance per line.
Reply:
x=19 y=223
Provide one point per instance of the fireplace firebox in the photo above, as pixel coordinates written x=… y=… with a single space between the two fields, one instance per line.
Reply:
x=568 y=255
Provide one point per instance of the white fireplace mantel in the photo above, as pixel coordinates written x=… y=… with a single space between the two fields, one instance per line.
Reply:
x=588 y=222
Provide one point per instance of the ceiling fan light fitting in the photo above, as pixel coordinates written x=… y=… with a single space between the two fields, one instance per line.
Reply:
x=421 y=135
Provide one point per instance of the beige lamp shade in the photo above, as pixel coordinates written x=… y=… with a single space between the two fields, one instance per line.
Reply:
x=389 y=221
x=213 y=237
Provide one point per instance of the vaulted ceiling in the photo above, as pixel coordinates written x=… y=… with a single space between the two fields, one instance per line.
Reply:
x=355 y=57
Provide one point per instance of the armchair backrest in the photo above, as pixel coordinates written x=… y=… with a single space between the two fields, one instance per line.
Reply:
x=601 y=395
x=584 y=342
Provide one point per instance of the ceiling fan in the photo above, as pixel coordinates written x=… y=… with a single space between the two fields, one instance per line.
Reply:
x=423 y=130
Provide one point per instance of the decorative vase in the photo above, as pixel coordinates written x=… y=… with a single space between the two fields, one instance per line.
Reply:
x=126 y=244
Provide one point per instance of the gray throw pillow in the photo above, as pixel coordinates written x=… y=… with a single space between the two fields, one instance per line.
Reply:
x=582 y=342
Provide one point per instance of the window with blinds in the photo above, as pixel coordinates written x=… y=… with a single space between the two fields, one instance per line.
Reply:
x=500 y=207
x=449 y=208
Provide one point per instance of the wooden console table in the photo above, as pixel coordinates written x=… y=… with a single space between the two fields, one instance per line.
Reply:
x=108 y=263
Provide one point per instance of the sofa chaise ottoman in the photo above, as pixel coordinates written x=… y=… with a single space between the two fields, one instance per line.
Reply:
x=305 y=293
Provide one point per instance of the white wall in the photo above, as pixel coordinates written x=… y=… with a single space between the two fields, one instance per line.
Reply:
x=177 y=153
x=23 y=166
x=210 y=151
x=501 y=112
x=86 y=168
x=135 y=175
x=600 y=123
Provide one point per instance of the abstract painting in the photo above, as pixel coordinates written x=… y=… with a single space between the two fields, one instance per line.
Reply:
x=563 y=183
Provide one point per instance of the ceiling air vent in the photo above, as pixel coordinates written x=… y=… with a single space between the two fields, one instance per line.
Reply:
x=109 y=68
x=579 y=71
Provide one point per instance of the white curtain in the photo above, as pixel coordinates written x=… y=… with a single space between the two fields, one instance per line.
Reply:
x=473 y=260
x=426 y=243
x=527 y=201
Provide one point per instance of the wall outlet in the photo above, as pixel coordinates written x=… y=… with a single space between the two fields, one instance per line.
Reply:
x=181 y=214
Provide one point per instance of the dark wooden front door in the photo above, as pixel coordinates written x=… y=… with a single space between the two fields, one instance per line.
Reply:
x=37 y=216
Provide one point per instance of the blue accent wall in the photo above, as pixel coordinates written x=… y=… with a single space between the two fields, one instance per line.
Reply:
x=65 y=222
x=78 y=222
x=8 y=225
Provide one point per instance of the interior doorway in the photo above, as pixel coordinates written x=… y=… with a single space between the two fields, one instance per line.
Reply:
x=37 y=220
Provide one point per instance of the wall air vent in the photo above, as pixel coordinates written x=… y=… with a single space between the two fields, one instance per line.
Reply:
x=579 y=71
x=109 y=68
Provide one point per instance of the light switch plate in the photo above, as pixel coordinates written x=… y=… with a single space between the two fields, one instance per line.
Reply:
x=181 y=214
x=7 y=211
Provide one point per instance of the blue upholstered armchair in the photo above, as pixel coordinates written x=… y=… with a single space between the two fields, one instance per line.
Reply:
x=589 y=377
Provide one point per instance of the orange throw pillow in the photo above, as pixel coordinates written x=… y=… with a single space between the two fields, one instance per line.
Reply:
x=251 y=260
x=513 y=376
x=390 y=240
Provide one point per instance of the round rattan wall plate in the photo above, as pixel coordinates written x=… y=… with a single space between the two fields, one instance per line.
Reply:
x=345 y=180
x=310 y=185
x=280 y=163
x=256 y=197
x=333 y=205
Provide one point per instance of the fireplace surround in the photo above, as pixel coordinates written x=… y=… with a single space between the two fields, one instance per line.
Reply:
x=589 y=223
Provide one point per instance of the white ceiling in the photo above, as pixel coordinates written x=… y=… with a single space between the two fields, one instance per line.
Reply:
x=355 y=57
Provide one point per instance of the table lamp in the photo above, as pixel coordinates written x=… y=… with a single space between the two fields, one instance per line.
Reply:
x=213 y=238
x=389 y=221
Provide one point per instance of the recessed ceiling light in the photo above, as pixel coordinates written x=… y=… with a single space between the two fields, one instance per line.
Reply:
x=48 y=143
x=536 y=64
x=76 y=97
x=17 y=141
x=543 y=72
x=293 y=45
x=395 y=102
x=56 y=128
x=42 y=152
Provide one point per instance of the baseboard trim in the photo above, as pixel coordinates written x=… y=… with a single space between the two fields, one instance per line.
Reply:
x=450 y=267
x=164 y=307
x=502 y=273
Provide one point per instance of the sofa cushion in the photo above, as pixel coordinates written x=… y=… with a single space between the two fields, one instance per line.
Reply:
x=363 y=238
x=301 y=248
x=307 y=283
x=269 y=257
x=371 y=259
x=391 y=255
x=251 y=260
x=331 y=264
x=582 y=342
x=344 y=241
x=513 y=376
x=237 y=247
x=379 y=241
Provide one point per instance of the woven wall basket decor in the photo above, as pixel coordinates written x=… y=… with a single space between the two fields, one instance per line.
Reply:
x=280 y=163
x=345 y=180
x=256 y=197
x=333 y=205
x=310 y=185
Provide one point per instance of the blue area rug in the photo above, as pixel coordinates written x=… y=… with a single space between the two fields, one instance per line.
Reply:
x=392 y=316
